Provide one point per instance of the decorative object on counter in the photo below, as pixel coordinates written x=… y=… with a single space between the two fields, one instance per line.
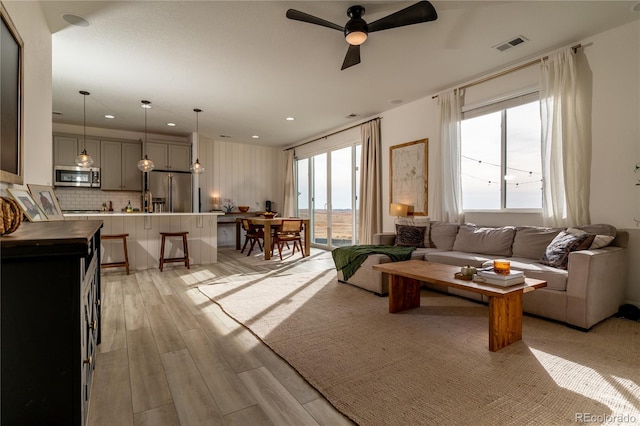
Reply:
x=110 y=206
x=243 y=209
x=10 y=215
x=84 y=159
x=215 y=204
x=196 y=168
x=228 y=205
x=147 y=205
x=129 y=208
x=46 y=199
x=28 y=206
x=145 y=165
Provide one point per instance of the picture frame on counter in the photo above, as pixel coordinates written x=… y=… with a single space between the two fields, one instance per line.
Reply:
x=45 y=197
x=28 y=205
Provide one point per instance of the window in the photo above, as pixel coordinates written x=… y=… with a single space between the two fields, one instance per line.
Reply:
x=501 y=162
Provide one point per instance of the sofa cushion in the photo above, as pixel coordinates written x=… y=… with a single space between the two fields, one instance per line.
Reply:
x=599 y=229
x=601 y=241
x=443 y=235
x=458 y=258
x=482 y=240
x=417 y=221
x=410 y=236
x=531 y=241
x=557 y=252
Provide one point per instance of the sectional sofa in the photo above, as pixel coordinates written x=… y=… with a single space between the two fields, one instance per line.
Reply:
x=585 y=275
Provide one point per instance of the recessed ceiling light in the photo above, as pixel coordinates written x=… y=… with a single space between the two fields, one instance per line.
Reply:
x=56 y=113
x=396 y=101
x=109 y=116
x=76 y=20
x=225 y=136
x=352 y=115
x=290 y=118
x=255 y=137
x=171 y=124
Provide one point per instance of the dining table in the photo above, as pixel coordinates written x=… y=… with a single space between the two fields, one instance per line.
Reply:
x=268 y=223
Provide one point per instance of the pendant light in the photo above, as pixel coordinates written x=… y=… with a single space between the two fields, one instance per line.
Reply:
x=145 y=165
x=84 y=159
x=196 y=168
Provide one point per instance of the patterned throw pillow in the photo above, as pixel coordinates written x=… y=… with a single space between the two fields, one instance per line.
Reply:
x=410 y=236
x=557 y=253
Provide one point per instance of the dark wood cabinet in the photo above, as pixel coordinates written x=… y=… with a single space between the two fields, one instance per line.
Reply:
x=50 y=301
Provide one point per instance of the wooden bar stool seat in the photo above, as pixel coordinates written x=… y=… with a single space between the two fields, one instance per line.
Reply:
x=124 y=263
x=185 y=249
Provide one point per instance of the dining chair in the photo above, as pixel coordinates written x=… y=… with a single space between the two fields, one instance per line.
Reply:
x=290 y=230
x=253 y=233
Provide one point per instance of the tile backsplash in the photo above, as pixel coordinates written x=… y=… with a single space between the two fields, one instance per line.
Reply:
x=92 y=199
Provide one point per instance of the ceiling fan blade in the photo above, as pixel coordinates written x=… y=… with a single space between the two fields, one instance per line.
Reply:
x=352 y=58
x=420 y=12
x=305 y=17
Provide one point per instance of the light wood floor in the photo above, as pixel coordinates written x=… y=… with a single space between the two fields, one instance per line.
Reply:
x=170 y=356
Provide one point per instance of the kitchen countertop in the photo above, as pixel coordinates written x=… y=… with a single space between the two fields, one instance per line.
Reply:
x=142 y=214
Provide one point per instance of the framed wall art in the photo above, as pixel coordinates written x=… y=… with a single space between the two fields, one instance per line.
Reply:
x=409 y=175
x=28 y=205
x=46 y=199
x=11 y=87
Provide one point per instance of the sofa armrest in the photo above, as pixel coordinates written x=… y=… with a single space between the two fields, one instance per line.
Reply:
x=384 y=238
x=596 y=284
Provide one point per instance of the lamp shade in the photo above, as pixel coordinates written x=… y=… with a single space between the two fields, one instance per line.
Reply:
x=396 y=209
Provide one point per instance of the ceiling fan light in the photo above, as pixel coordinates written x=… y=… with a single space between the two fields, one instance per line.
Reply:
x=356 y=38
x=146 y=165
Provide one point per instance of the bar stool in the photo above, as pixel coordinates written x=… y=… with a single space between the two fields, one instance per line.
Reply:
x=124 y=263
x=185 y=249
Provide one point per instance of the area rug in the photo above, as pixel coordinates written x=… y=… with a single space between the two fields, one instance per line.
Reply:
x=431 y=365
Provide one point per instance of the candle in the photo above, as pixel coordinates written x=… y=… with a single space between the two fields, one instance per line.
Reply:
x=502 y=267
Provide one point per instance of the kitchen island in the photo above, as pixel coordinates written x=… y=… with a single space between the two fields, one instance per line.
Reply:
x=144 y=236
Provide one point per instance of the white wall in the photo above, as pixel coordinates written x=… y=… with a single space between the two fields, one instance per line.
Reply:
x=33 y=29
x=611 y=64
x=247 y=174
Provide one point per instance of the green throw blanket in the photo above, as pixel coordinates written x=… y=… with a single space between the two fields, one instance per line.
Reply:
x=348 y=259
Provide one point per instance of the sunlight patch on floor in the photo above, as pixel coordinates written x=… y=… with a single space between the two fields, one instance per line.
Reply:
x=588 y=382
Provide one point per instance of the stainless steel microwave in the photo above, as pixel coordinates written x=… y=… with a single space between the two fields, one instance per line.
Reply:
x=88 y=177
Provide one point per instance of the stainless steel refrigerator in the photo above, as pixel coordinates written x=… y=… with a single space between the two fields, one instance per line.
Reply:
x=170 y=191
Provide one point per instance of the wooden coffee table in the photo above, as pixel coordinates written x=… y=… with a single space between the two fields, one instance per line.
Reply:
x=505 y=303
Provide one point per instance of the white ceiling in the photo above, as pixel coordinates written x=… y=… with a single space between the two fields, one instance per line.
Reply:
x=248 y=67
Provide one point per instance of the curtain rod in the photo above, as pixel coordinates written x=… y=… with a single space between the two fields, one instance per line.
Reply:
x=510 y=70
x=334 y=133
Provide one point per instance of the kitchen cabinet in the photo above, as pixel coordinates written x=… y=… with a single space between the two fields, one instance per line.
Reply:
x=119 y=171
x=67 y=147
x=169 y=156
x=50 y=325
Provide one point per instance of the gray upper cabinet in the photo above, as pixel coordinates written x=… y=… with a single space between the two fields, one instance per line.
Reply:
x=169 y=156
x=67 y=148
x=120 y=166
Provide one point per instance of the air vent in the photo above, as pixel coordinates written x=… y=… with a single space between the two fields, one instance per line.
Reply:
x=225 y=136
x=511 y=43
x=56 y=113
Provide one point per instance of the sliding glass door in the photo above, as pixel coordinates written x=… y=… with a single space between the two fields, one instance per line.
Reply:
x=328 y=185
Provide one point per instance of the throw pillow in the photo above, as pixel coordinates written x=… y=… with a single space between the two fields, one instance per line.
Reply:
x=601 y=241
x=424 y=221
x=410 y=236
x=557 y=252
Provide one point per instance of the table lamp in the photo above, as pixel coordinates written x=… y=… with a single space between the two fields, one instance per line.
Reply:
x=399 y=210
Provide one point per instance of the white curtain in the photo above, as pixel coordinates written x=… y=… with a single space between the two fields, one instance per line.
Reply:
x=447 y=187
x=289 y=209
x=566 y=152
x=370 y=203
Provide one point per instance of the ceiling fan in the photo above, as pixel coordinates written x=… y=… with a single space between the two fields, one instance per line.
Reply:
x=356 y=29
